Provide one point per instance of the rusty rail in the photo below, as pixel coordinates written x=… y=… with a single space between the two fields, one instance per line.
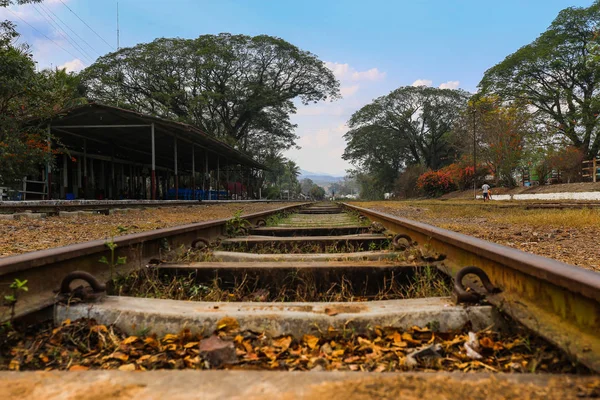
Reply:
x=54 y=206
x=45 y=269
x=558 y=301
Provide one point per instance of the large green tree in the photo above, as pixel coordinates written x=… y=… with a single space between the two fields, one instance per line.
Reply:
x=236 y=87
x=558 y=74
x=27 y=99
x=420 y=118
x=411 y=125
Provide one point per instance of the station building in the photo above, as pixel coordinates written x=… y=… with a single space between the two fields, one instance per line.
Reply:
x=114 y=153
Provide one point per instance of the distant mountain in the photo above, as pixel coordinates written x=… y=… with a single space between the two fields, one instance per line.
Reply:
x=320 y=178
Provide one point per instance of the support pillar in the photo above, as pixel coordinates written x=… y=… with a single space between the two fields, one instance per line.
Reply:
x=176 y=178
x=153 y=174
x=65 y=172
x=218 y=177
x=205 y=170
x=193 y=171
x=227 y=178
x=85 y=169
x=113 y=187
x=92 y=179
x=49 y=166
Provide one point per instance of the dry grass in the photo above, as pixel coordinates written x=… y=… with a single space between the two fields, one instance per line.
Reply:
x=283 y=286
x=568 y=235
x=493 y=212
x=27 y=235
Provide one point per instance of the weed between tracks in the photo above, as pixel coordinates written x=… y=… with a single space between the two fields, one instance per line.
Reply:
x=84 y=344
x=284 y=285
x=307 y=248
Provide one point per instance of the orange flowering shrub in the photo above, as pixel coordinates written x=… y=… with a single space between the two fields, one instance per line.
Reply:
x=436 y=183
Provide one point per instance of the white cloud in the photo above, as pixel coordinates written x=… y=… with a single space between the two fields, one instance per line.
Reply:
x=348 y=91
x=345 y=72
x=75 y=65
x=322 y=126
x=422 y=82
x=323 y=109
x=450 y=85
x=370 y=75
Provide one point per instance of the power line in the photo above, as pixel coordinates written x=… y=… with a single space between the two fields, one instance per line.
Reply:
x=85 y=23
x=68 y=27
x=41 y=33
x=68 y=38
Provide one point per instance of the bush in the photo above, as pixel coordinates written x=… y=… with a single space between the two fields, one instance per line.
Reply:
x=273 y=193
x=436 y=183
x=568 y=162
x=406 y=183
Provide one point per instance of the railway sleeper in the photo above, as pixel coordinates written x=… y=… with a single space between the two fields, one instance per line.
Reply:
x=284 y=282
x=307 y=244
x=161 y=317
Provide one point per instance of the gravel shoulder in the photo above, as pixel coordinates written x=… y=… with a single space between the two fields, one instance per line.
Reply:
x=25 y=235
x=569 y=235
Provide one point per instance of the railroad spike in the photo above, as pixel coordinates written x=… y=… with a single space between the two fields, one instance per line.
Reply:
x=462 y=295
x=95 y=291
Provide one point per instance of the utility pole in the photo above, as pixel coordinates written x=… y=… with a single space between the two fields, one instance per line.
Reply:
x=118 y=48
x=474 y=159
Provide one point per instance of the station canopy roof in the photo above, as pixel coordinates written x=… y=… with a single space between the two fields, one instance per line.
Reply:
x=126 y=135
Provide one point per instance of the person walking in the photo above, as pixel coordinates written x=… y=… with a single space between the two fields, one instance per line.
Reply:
x=486 y=192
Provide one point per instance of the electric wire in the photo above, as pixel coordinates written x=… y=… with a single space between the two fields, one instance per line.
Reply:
x=68 y=38
x=41 y=5
x=85 y=23
x=41 y=33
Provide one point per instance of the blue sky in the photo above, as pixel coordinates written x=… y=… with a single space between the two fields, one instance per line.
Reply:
x=372 y=46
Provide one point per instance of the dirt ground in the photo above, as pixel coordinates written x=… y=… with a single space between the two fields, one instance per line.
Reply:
x=568 y=235
x=25 y=235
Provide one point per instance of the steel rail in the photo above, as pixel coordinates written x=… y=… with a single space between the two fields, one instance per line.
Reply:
x=558 y=301
x=45 y=269
x=54 y=206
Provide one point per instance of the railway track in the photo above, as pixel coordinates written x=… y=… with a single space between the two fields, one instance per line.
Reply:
x=56 y=207
x=307 y=272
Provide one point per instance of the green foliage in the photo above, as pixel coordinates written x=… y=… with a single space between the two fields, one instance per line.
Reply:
x=27 y=98
x=370 y=188
x=281 y=175
x=317 y=192
x=305 y=185
x=112 y=246
x=235 y=87
x=237 y=225
x=558 y=75
x=17 y=286
x=411 y=125
x=6 y=3
x=405 y=185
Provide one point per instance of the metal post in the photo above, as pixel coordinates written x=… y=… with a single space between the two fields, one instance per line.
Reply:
x=103 y=178
x=79 y=178
x=248 y=186
x=595 y=169
x=153 y=176
x=49 y=165
x=113 y=188
x=205 y=170
x=218 y=177
x=227 y=178
x=85 y=170
x=194 y=171
x=65 y=175
x=92 y=174
x=176 y=179
x=474 y=160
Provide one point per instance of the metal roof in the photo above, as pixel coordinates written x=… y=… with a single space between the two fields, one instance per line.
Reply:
x=125 y=134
